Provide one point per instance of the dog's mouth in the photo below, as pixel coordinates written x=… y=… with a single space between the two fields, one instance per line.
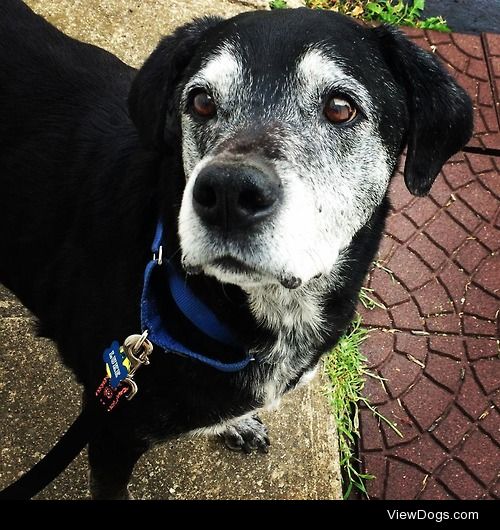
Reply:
x=229 y=269
x=234 y=266
x=232 y=270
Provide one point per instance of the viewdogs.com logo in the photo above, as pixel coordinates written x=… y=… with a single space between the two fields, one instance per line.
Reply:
x=432 y=516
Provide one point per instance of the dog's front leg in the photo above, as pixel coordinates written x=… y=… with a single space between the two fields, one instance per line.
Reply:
x=113 y=453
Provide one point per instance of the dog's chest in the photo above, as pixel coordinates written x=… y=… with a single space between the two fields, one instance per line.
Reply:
x=295 y=321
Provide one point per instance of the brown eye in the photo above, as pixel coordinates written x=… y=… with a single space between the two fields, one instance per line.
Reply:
x=339 y=110
x=203 y=105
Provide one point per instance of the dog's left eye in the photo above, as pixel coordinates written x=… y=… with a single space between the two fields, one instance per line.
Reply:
x=203 y=105
x=339 y=110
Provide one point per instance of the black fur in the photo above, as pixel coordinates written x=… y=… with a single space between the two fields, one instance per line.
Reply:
x=83 y=179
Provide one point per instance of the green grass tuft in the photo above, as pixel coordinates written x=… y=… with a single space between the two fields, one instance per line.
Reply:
x=400 y=13
x=395 y=12
x=346 y=370
x=278 y=4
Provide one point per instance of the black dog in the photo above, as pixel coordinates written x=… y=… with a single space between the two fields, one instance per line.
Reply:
x=263 y=146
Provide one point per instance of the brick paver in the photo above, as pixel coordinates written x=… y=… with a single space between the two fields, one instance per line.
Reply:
x=435 y=344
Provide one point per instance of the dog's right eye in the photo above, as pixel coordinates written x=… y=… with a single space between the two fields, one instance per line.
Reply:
x=203 y=105
x=339 y=110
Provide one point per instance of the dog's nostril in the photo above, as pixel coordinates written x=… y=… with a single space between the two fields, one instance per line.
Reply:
x=205 y=196
x=255 y=200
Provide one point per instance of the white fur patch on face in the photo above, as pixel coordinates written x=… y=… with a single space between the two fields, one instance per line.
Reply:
x=222 y=71
x=221 y=75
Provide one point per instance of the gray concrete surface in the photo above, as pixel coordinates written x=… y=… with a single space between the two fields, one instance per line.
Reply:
x=39 y=397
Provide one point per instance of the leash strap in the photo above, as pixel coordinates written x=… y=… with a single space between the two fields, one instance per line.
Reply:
x=56 y=460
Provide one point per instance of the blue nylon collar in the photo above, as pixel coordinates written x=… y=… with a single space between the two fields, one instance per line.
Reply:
x=198 y=313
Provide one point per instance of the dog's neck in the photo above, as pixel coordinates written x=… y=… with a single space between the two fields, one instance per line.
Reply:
x=298 y=310
x=282 y=310
x=296 y=318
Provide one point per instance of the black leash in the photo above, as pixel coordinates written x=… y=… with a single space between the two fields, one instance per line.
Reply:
x=56 y=460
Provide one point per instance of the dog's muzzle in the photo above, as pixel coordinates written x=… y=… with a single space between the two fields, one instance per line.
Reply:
x=232 y=197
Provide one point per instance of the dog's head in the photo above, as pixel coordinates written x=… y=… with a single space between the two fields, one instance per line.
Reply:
x=291 y=124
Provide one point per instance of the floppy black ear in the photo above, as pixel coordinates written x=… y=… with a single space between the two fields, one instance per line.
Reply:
x=440 y=111
x=151 y=100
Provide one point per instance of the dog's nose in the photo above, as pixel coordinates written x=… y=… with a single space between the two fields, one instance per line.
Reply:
x=234 y=197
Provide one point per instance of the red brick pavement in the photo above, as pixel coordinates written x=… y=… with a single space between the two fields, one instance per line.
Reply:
x=435 y=344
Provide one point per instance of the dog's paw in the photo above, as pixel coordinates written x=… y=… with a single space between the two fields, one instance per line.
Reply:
x=247 y=435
